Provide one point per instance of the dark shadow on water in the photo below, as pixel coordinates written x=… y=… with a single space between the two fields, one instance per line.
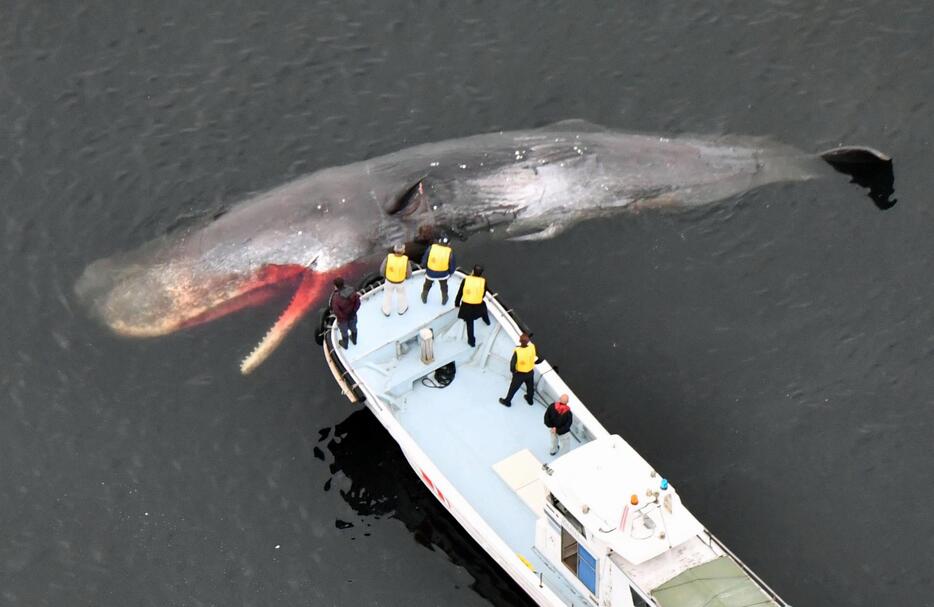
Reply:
x=381 y=484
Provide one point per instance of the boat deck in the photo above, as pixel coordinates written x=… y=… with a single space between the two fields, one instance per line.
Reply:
x=461 y=428
x=465 y=434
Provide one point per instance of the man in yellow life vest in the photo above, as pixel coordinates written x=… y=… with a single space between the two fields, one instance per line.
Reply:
x=439 y=265
x=469 y=299
x=522 y=366
x=396 y=268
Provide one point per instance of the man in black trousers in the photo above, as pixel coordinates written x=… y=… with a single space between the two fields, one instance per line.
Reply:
x=469 y=300
x=522 y=365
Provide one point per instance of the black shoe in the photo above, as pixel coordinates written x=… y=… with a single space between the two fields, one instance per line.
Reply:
x=353 y=337
x=343 y=343
x=505 y=402
x=529 y=400
x=486 y=321
x=424 y=297
x=472 y=343
x=444 y=300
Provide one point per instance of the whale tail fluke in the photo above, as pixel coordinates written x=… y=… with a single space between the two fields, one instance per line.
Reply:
x=868 y=168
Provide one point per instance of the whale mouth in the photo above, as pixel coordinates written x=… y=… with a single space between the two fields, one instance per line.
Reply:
x=868 y=168
x=310 y=288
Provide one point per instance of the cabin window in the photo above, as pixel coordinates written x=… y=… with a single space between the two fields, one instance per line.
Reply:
x=567 y=515
x=579 y=561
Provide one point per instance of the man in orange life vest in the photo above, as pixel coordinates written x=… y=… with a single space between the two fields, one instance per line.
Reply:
x=395 y=268
x=439 y=265
x=469 y=299
x=522 y=366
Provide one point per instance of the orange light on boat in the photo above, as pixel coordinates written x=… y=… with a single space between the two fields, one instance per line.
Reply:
x=634 y=500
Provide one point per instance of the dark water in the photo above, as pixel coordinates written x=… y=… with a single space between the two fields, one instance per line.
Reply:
x=772 y=354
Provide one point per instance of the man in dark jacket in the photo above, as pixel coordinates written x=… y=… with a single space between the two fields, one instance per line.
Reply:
x=522 y=364
x=344 y=303
x=558 y=419
x=469 y=299
x=439 y=264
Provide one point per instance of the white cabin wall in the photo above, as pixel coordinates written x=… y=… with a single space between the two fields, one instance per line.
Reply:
x=548 y=540
x=614 y=587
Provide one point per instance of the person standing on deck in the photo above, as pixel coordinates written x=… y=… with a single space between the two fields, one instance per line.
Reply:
x=344 y=303
x=395 y=269
x=522 y=365
x=558 y=419
x=469 y=299
x=439 y=265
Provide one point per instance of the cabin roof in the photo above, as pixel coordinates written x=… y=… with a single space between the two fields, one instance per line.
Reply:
x=596 y=482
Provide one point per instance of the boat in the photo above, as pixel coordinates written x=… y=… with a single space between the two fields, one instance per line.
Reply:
x=594 y=524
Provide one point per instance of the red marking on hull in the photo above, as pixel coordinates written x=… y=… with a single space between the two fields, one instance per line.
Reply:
x=436 y=490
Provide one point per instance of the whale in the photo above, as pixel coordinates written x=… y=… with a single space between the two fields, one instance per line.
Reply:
x=338 y=221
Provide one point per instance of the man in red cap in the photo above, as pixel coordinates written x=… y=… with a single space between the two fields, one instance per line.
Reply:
x=558 y=419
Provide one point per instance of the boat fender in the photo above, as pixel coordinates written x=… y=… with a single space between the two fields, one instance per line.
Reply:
x=370 y=280
x=323 y=315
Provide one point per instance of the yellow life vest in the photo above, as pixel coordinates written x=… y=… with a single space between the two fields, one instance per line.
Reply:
x=525 y=358
x=439 y=258
x=396 y=267
x=474 y=287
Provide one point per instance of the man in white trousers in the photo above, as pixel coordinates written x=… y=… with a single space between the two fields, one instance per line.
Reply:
x=395 y=269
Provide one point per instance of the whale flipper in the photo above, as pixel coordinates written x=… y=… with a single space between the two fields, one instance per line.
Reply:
x=868 y=168
x=543 y=234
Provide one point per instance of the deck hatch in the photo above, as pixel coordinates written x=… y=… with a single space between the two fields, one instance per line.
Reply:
x=718 y=583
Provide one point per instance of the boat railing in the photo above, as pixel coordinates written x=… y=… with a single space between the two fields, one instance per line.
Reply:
x=344 y=376
x=511 y=312
x=585 y=427
x=752 y=575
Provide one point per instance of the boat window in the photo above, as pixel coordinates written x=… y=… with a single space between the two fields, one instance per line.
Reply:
x=569 y=551
x=579 y=561
x=567 y=515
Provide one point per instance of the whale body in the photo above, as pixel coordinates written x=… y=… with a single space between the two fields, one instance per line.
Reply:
x=519 y=185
